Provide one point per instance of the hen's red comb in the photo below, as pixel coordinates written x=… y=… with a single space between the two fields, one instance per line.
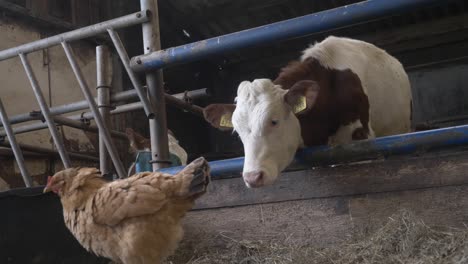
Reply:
x=49 y=179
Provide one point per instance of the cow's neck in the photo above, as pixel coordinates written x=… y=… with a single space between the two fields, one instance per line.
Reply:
x=332 y=108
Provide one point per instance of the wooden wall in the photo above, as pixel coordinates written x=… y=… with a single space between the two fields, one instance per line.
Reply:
x=325 y=205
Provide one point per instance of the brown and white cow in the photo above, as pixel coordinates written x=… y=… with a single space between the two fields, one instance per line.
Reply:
x=340 y=90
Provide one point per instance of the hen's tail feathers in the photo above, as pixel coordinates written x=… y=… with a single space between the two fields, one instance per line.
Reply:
x=201 y=177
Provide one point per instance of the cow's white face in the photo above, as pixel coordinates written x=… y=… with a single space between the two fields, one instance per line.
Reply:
x=265 y=119
x=268 y=128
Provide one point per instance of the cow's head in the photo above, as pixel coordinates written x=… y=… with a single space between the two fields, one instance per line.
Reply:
x=264 y=116
x=140 y=143
x=137 y=141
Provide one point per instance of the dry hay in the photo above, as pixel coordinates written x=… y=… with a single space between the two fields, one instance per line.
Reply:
x=403 y=239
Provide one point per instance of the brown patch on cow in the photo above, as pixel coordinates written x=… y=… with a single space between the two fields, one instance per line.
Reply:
x=340 y=100
x=137 y=141
x=214 y=112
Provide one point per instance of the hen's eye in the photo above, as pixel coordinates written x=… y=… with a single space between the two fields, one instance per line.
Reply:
x=274 y=122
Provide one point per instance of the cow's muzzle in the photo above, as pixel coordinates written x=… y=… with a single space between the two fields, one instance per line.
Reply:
x=253 y=179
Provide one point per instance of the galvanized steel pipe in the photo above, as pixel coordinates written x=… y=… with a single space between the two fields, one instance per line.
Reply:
x=194 y=109
x=154 y=81
x=86 y=127
x=14 y=146
x=46 y=112
x=81 y=33
x=116 y=97
x=103 y=82
x=131 y=74
x=92 y=105
x=89 y=115
x=51 y=151
x=275 y=32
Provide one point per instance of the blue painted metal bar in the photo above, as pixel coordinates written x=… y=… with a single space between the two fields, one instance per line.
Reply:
x=292 y=28
x=410 y=143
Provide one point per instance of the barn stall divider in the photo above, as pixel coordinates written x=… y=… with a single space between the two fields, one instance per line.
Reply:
x=315 y=194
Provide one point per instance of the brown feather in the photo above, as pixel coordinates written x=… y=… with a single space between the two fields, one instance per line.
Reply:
x=134 y=220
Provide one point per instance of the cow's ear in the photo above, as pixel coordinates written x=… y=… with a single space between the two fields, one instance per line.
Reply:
x=302 y=96
x=219 y=115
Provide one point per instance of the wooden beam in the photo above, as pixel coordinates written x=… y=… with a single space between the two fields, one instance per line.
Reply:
x=399 y=174
x=322 y=222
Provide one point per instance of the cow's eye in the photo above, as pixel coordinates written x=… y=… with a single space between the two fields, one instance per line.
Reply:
x=274 y=122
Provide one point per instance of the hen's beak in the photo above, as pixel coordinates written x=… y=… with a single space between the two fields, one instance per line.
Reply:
x=46 y=189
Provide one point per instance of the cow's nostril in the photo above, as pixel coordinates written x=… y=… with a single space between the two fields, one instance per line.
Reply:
x=260 y=176
x=254 y=178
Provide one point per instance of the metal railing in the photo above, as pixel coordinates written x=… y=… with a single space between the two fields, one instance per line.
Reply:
x=100 y=110
x=176 y=100
x=14 y=146
x=323 y=21
x=64 y=39
x=411 y=143
x=154 y=59
x=115 y=98
x=81 y=33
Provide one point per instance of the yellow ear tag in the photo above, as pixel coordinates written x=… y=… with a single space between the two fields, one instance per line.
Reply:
x=226 y=120
x=301 y=105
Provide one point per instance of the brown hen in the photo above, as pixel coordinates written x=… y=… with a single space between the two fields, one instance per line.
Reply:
x=130 y=221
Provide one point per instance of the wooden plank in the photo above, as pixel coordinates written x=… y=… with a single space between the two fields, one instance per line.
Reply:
x=324 y=221
x=379 y=176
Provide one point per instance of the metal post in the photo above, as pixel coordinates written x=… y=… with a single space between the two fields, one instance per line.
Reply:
x=14 y=146
x=154 y=81
x=45 y=111
x=104 y=79
x=93 y=106
x=133 y=78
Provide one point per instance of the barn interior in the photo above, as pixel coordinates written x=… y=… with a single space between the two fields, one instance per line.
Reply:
x=430 y=41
